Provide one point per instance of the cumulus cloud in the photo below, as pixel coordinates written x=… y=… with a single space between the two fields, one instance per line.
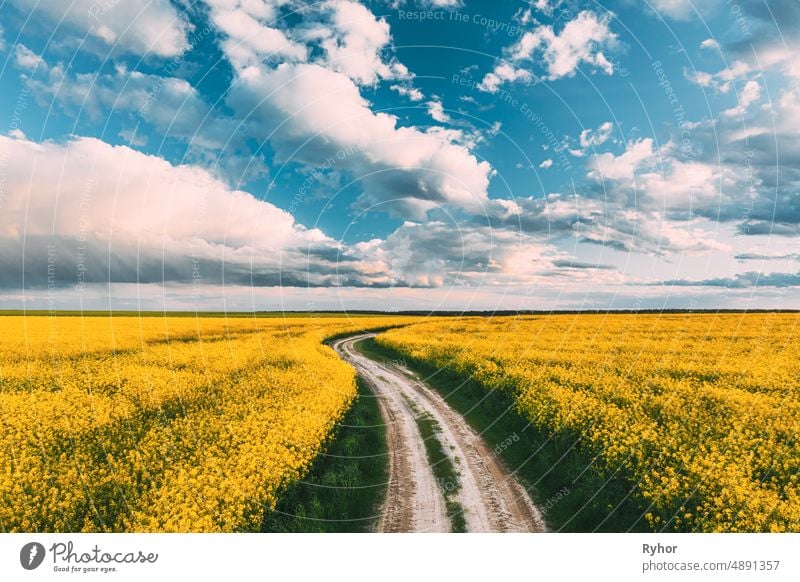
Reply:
x=435 y=254
x=605 y=221
x=170 y=105
x=309 y=112
x=607 y=166
x=26 y=58
x=748 y=95
x=143 y=27
x=412 y=93
x=647 y=178
x=580 y=41
x=503 y=73
x=251 y=33
x=356 y=42
x=593 y=138
x=312 y=113
x=342 y=35
x=757 y=158
x=436 y=111
x=85 y=212
x=88 y=212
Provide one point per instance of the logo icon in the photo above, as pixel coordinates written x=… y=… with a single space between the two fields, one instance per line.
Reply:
x=31 y=555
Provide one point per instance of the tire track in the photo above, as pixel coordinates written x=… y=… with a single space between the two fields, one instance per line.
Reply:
x=493 y=500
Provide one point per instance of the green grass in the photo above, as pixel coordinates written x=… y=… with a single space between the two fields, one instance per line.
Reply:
x=346 y=485
x=445 y=473
x=558 y=472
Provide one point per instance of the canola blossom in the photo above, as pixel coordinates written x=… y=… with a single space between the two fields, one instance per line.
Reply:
x=163 y=424
x=701 y=412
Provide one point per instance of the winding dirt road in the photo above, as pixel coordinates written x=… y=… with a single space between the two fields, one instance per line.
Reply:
x=491 y=498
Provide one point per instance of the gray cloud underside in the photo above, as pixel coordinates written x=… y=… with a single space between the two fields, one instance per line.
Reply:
x=741 y=281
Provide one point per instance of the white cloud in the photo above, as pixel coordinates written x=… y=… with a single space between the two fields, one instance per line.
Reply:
x=249 y=40
x=646 y=179
x=503 y=73
x=342 y=35
x=436 y=111
x=750 y=93
x=593 y=138
x=313 y=114
x=580 y=42
x=443 y=3
x=548 y=163
x=436 y=254
x=356 y=44
x=607 y=166
x=411 y=92
x=607 y=221
x=721 y=81
x=709 y=43
x=170 y=105
x=26 y=58
x=155 y=222
x=144 y=27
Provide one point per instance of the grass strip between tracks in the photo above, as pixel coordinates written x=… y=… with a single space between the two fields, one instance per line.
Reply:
x=558 y=473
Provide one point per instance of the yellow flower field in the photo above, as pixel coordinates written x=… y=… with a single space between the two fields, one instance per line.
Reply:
x=700 y=411
x=162 y=423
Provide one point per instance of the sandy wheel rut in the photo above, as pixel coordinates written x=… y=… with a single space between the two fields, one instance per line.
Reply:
x=491 y=499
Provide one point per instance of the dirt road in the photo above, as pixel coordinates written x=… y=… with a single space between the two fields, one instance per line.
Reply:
x=490 y=497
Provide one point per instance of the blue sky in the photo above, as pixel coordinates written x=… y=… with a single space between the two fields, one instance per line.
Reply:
x=266 y=154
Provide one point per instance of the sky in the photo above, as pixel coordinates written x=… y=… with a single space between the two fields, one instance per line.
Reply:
x=399 y=154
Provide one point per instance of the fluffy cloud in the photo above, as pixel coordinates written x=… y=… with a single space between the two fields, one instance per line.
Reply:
x=749 y=95
x=411 y=92
x=436 y=254
x=308 y=112
x=88 y=212
x=312 y=114
x=580 y=42
x=355 y=42
x=607 y=222
x=343 y=35
x=144 y=27
x=593 y=138
x=169 y=104
x=503 y=73
x=436 y=111
x=251 y=36
x=26 y=58
x=607 y=166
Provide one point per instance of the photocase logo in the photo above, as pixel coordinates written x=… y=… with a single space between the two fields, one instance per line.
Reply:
x=31 y=555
